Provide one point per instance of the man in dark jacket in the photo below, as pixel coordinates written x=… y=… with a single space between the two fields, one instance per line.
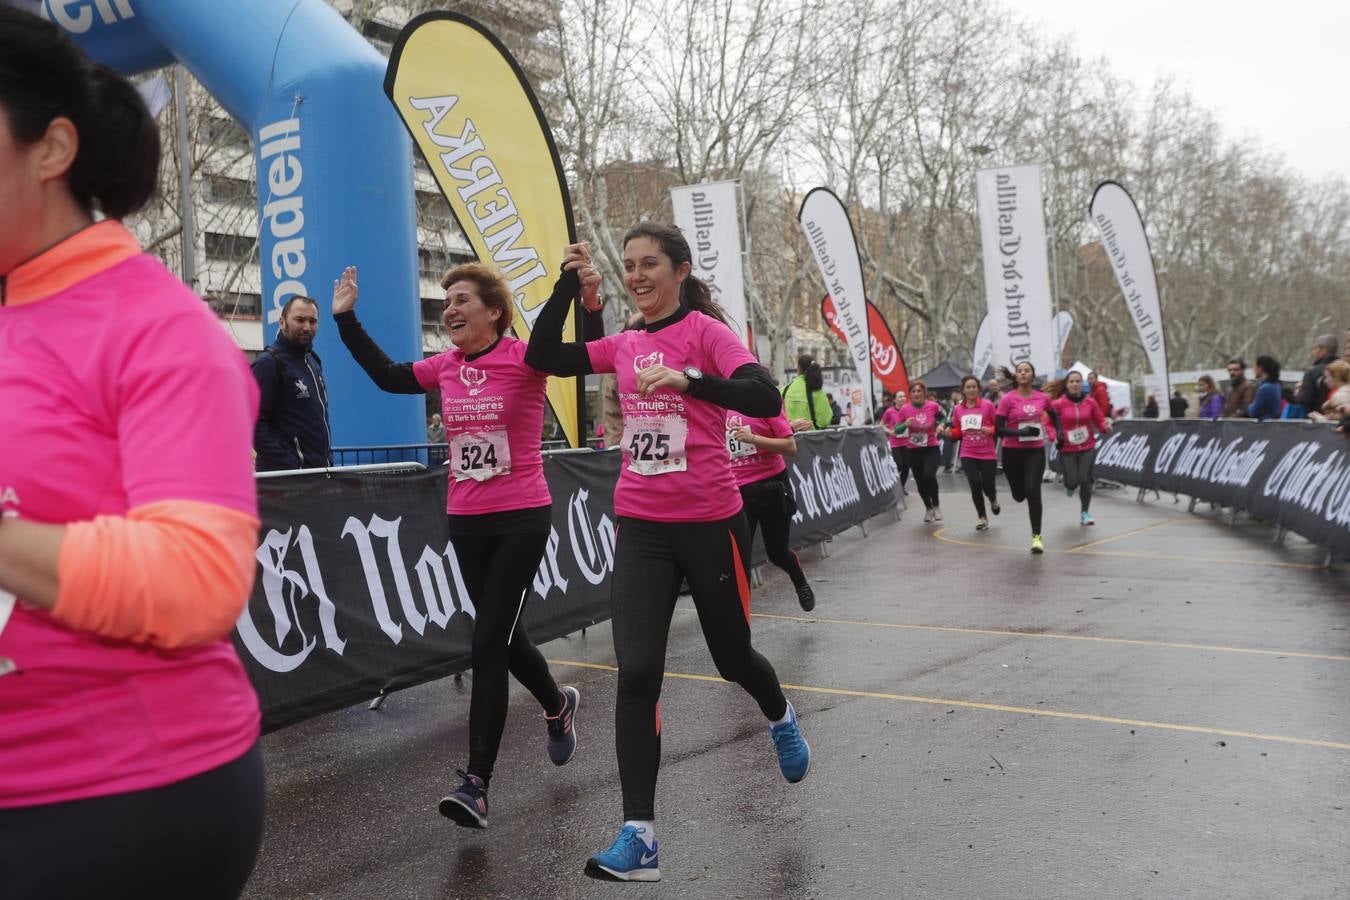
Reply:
x=292 y=428
x=1177 y=405
x=1312 y=393
x=1241 y=391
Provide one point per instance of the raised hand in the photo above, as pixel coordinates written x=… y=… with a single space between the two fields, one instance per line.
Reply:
x=578 y=257
x=345 y=291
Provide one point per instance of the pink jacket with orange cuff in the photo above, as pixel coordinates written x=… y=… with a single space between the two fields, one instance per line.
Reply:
x=127 y=419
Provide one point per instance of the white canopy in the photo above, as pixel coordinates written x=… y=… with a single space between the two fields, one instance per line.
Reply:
x=1120 y=392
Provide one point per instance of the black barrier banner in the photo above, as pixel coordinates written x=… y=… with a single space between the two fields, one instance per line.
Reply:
x=1294 y=474
x=841 y=478
x=359 y=589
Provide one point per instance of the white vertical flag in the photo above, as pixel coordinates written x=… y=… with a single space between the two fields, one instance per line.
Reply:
x=1063 y=325
x=1122 y=229
x=706 y=213
x=828 y=230
x=983 y=352
x=1016 y=273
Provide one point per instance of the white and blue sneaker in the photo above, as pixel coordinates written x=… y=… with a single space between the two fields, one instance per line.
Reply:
x=627 y=859
x=794 y=755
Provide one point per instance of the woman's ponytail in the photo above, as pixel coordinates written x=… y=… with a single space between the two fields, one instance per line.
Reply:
x=118 y=164
x=698 y=297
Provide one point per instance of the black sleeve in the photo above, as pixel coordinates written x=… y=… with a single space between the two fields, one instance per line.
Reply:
x=547 y=352
x=1054 y=420
x=749 y=390
x=1001 y=428
x=592 y=325
x=396 y=378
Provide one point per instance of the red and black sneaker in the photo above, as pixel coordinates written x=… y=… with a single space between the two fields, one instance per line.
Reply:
x=467 y=804
x=562 y=730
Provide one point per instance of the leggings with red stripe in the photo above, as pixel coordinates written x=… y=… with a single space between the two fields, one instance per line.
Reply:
x=651 y=559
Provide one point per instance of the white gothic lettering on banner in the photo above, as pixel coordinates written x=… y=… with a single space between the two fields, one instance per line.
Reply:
x=1129 y=453
x=592 y=544
x=286 y=589
x=1016 y=270
x=825 y=222
x=709 y=217
x=1117 y=219
x=1320 y=486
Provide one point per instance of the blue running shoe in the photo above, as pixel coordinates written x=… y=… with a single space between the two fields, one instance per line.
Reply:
x=562 y=730
x=627 y=859
x=794 y=755
x=467 y=804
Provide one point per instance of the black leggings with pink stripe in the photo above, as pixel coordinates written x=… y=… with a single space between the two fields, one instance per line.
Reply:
x=651 y=559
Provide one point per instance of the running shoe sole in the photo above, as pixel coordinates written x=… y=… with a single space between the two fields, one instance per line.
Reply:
x=457 y=811
x=601 y=873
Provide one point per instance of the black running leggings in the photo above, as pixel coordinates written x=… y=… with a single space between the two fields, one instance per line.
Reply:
x=650 y=560
x=1024 y=467
x=924 y=462
x=764 y=508
x=1078 y=473
x=498 y=571
x=195 y=838
x=981 y=474
x=901 y=457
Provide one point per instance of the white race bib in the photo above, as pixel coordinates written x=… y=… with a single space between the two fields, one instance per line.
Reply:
x=739 y=449
x=655 y=446
x=1040 y=431
x=972 y=423
x=480 y=455
x=1077 y=436
x=918 y=439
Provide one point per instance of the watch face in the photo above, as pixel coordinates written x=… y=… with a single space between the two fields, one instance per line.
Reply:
x=691 y=372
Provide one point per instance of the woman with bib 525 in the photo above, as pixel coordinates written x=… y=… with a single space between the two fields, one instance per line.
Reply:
x=679 y=510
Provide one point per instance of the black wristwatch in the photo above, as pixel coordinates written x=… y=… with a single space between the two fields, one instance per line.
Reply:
x=695 y=378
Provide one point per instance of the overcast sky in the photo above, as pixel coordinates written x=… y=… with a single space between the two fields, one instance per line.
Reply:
x=1278 y=71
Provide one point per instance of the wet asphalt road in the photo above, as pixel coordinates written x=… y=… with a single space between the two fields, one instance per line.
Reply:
x=1155 y=708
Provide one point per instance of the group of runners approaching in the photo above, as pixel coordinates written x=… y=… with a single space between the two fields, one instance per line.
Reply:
x=1024 y=420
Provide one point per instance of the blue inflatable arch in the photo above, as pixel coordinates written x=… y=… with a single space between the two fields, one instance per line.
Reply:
x=334 y=166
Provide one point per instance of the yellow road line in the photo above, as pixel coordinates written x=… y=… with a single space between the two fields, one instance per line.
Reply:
x=1076 y=551
x=1137 y=642
x=995 y=707
x=1200 y=559
x=1115 y=537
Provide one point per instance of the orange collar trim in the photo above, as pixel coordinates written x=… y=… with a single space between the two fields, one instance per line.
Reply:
x=84 y=254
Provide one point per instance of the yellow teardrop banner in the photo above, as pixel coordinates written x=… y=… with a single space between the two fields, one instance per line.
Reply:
x=473 y=116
